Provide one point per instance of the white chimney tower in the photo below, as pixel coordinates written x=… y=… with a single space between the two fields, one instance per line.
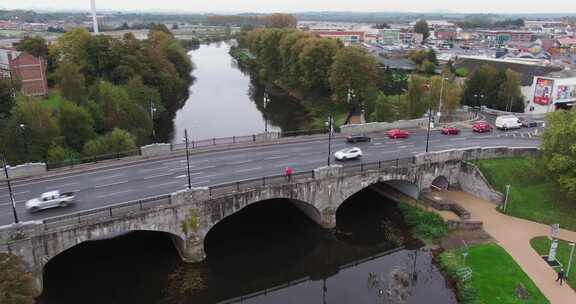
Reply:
x=94 y=17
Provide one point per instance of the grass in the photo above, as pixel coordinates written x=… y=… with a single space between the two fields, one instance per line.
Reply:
x=426 y=226
x=532 y=195
x=542 y=246
x=54 y=101
x=495 y=276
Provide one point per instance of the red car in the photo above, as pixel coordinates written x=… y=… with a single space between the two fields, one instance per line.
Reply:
x=450 y=131
x=482 y=127
x=397 y=133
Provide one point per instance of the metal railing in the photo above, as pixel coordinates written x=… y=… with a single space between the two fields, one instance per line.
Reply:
x=215 y=191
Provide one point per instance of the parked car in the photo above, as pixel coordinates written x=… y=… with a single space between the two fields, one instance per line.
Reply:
x=397 y=133
x=526 y=123
x=354 y=138
x=350 y=153
x=508 y=122
x=482 y=127
x=450 y=131
x=50 y=199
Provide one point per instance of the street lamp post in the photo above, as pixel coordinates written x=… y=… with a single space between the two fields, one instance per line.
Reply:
x=187 y=159
x=152 y=111
x=428 y=134
x=266 y=101
x=12 y=200
x=329 y=125
x=23 y=130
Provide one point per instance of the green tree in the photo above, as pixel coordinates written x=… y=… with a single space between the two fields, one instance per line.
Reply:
x=8 y=92
x=16 y=284
x=71 y=83
x=61 y=155
x=416 y=103
x=482 y=87
x=387 y=108
x=421 y=27
x=559 y=150
x=97 y=146
x=314 y=62
x=120 y=141
x=428 y=67
x=72 y=48
x=278 y=20
x=510 y=94
x=34 y=45
x=76 y=125
x=353 y=71
x=30 y=131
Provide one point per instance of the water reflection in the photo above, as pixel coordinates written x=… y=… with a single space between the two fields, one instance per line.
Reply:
x=226 y=100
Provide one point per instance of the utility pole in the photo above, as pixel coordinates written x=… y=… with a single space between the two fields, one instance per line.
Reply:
x=152 y=110
x=570 y=261
x=10 y=190
x=266 y=100
x=329 y=124
x=187 y=159
x=429 y=123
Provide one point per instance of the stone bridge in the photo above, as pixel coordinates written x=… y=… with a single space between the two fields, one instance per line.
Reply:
x=188 y=216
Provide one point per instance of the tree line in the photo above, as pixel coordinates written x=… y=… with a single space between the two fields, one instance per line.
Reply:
x=105 y=95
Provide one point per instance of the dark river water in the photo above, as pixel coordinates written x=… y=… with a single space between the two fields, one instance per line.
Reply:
x=269 y=252
x=225 y=101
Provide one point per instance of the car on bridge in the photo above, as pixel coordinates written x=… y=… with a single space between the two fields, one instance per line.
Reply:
x=450 y=130
x=350 y=153
x=397 y=133
x=49 y=200
x=482 y=127
x=354 y=138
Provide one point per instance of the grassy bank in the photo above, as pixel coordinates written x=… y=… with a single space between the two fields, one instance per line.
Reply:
x=532 y=195
x=495 y=276
x=426 y=226
x=542 y=246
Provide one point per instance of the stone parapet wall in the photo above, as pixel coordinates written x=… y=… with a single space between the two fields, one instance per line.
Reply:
x=383 y=126
x=155 y=150
x=25 y=170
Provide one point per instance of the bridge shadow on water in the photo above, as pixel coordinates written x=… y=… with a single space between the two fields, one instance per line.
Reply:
x=271 y=250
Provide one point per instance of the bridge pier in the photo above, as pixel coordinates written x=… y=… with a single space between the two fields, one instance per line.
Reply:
x=328 y=218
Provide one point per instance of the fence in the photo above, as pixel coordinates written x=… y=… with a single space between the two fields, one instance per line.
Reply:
x=214 y=191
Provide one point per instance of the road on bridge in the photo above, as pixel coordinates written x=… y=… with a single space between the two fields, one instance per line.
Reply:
x=126 y=182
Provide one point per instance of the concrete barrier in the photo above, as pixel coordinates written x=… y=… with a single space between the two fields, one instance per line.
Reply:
x=25 y=170
x=475 y=153
x=383 y=126
x=155 y=150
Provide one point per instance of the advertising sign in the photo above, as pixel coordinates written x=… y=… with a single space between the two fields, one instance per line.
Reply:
x=543 y=92
x=565 y=93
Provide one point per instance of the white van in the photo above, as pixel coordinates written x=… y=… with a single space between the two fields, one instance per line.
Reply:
x=508 y=122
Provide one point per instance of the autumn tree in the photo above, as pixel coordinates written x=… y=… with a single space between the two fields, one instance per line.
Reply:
x=353 y=72
x=278 y=20
x=421 y=27
x=34 y=45
x=559 y=151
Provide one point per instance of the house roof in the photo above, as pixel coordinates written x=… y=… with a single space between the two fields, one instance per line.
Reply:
x=527 y=71
x=567 y=41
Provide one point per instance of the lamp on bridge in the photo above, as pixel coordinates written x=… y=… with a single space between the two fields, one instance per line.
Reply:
x=187 y=159
x=5 y=163
x=329 y=125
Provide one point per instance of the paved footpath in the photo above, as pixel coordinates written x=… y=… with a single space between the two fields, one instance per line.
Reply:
x=514 y=235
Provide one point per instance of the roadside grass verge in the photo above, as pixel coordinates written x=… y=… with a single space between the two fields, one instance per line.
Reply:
x=533 y=196
x=495 y=276
x=542 y=245
x=426 y=226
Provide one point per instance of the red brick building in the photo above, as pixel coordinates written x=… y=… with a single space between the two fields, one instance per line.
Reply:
x=29 y=70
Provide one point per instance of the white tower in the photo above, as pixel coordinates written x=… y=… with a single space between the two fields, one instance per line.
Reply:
x=94 y=17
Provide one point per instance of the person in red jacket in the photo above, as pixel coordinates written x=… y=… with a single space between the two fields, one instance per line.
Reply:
x=289 y=172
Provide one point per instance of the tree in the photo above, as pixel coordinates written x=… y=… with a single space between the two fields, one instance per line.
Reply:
x=8 y=91
x=315 y=60
x=482 y=87
x=76 y=125
x=510 y=94
x=278 y=20
x=559 y=150
x=120 y=141
x=353 y=71
x=381 y=26
x=421 y=27
x=387 y=108
x=71 y=83
x=415 y=102
x=30 y=131
x=175 y=26
x=36 y=46
x=61 y=155
x=16 y=284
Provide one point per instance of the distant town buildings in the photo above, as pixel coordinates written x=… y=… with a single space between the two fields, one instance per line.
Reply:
x=30 y=71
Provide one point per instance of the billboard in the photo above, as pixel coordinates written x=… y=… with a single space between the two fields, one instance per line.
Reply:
x=565 y=93
x=543 y=92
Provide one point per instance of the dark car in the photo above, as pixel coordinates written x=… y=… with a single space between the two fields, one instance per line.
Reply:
x=528 y=123
x=354 y=138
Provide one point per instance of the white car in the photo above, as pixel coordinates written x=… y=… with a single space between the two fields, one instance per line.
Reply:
x=350 y=153
x=50 y=199
x=508 y=122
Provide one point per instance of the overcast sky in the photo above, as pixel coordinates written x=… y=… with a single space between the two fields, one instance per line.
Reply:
x=482 y=6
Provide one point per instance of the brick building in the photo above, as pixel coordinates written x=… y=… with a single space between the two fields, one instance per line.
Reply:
x=29 y=70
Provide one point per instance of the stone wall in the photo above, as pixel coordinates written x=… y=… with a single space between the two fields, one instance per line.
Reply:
x=473 y=181
x=25 y=170
x=155 y=150
x=383 y=126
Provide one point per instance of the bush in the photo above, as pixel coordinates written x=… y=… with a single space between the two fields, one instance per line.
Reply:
x=64 y=156
x=424 y=225
x=16 y=285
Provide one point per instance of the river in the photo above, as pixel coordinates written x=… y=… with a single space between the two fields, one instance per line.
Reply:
x=225 y=101
x=269 y=252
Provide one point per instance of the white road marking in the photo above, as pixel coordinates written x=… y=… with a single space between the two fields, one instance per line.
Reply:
x=276 y=157
x=285 y=165
x=60 y=186
x=458 y=139
x=240 y=163
x=191 y=168
x=115 y=193
x=191 y=174
x=151 y=170
x=162 y=185
x=197 y=183
x=110 y=185
x=248 y=170
x=15 y=194
x=96 y=179
x=158 y=176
